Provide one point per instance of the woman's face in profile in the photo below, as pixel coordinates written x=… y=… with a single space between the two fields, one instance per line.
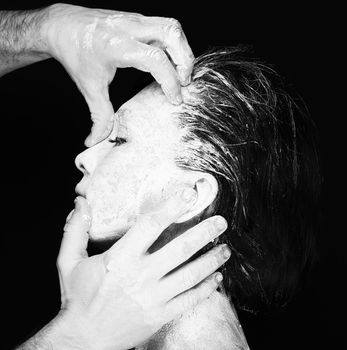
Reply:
x=136 y=172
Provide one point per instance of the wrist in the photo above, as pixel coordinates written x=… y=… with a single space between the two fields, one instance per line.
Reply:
x=65 y=335
x=55 y=335
x=53 y=31
x=69 y=332
x=38 y=42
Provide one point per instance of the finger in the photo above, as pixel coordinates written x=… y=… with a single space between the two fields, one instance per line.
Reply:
x=153 y=60
x=184 y=246
x=169 y=33
x=101 y=111
x=148 y=227
x=73 y=247
x=193 y=273
x=192 y=297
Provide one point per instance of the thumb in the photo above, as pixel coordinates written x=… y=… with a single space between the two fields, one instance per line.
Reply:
x=73 y=247
x=101 y=111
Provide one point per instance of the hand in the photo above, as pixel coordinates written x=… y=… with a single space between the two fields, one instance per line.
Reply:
x=120 y=298
x=92 y=43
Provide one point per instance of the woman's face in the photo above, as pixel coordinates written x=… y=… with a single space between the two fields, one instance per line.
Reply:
x=133 y=175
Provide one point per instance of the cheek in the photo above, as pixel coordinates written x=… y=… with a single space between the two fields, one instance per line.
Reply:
x=160 y=185
x=112 y=194
x=123 y=187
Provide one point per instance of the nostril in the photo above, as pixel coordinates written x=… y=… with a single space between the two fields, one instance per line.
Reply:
x=79 y=165
x=87 y=161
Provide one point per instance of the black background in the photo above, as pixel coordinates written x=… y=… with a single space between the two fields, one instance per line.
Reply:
x=45 y=120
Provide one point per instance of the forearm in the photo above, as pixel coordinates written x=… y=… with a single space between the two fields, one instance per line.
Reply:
x=21 y=41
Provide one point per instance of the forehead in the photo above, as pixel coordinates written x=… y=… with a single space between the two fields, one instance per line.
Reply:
x=149 y=117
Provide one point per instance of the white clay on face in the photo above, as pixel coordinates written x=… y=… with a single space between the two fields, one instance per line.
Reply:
x=135 y=177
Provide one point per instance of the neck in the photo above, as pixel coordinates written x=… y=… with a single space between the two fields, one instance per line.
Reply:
x=213 y=325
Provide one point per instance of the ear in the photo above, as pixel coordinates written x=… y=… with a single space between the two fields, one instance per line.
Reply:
x=206 y=187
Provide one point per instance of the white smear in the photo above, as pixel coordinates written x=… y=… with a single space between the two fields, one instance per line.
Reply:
x=212 y=325
x=75 y=39
x=110 y=21
x=88 y=36
x=115 y=41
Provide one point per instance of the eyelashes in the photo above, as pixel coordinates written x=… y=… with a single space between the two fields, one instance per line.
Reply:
x=118 y=141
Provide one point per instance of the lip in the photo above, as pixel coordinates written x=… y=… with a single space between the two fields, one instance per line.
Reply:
x=79 y=191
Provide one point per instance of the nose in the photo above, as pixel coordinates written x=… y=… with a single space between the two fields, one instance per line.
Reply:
x=86 y=161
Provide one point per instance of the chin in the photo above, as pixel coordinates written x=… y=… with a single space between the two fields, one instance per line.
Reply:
x=109 y=228
x=100 y=241
x=102 y=235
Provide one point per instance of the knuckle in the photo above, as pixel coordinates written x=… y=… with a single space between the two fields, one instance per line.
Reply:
x=190 y=57
x=215 y=261
x=174 y=30
x=186 y=250
x=188 y=278
x=211 y=229
x=189 y=300
x=215 y=226
x=157 y=54
x=95 y=116
x=135 y=17
x=148 y=223
x=174 y=22
x=60 y=262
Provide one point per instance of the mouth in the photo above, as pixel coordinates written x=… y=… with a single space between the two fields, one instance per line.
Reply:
x=79 y=192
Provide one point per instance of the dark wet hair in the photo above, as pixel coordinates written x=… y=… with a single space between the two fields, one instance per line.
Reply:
x=243 y=127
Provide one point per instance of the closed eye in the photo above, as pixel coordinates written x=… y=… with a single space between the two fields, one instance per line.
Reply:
x=118 y=141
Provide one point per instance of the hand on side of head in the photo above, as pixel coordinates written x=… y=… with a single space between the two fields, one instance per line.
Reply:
x=122 y=297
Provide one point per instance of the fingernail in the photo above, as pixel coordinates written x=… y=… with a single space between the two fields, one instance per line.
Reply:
x=188 y=195
x=177 y=100
x=220 y=223
x=96 y=139
x=226 y=252
x=90 y=141
x=77 y=203
x=174 y=97
x=87 y=219
x=185 y=78
x=107 y=131
x=219 y=277
x=182 y=72
x=70 y=215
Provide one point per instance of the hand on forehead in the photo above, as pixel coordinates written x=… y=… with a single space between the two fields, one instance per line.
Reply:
x=148 y=113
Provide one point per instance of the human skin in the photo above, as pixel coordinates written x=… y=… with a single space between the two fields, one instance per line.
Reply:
x=135 y=176
x=124 y=180
x=118 y=299
x=92 y=44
